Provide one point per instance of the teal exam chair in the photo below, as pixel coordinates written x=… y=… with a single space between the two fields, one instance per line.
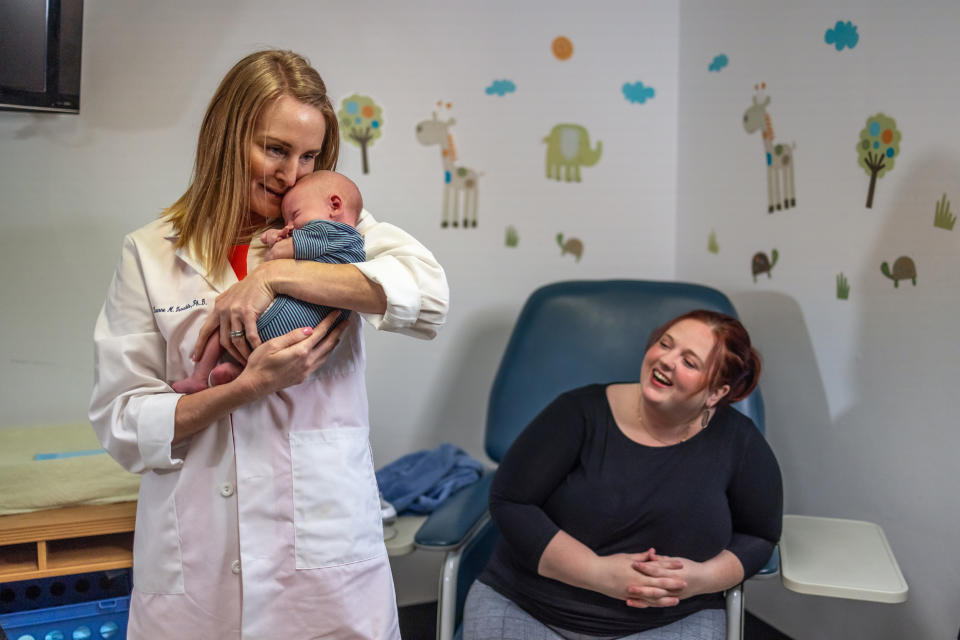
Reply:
x=568 y=334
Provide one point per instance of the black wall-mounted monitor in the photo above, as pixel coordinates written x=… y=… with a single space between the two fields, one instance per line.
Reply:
x=40 y=55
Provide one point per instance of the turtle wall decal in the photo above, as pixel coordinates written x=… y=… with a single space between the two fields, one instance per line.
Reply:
x=571 y=245
x=762 y=264
x=903 y=269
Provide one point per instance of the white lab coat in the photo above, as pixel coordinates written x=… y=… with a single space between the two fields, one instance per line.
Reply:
x=267 y=523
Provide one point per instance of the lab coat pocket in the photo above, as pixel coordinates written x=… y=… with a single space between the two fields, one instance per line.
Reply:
x=336 y=508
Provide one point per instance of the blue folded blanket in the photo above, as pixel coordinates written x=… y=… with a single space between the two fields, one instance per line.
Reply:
x=419 y=482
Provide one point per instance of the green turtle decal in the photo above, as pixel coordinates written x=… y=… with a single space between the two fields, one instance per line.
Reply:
x=762 y=264
x=572 y=245
x=903 y=269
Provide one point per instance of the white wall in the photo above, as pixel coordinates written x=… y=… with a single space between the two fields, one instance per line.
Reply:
x=858 y=391
x=73 y=185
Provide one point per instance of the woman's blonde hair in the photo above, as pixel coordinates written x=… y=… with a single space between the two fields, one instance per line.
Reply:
x=208 y=217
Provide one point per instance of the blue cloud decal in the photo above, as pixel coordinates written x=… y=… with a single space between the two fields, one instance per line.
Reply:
x=844 y=34
x=719 y=62
x=636 y=92
x=501 y=88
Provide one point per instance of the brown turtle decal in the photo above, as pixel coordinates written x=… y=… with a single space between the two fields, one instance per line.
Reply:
x=903 y=269
x=572 y=245
x=762 y=264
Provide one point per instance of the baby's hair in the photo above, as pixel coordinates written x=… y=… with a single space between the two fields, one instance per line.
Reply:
x=344 y=187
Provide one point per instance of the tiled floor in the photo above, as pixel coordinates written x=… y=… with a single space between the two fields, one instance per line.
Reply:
x=418 y=622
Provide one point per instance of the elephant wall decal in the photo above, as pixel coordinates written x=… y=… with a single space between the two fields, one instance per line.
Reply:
x=568 y=147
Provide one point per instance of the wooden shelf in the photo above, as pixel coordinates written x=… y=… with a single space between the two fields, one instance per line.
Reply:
x=69 y=540
x=17 y=560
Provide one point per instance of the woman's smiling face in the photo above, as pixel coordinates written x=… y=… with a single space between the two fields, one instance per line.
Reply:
x=286 y=142
x=673 y=376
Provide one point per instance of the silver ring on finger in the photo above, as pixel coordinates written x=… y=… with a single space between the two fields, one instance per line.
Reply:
x=238 y=334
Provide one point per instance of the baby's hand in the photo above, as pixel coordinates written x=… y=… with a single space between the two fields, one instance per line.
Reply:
x=282 y=248
x=271 y=237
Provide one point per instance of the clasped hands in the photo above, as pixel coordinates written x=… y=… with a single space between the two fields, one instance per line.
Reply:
x=649 y=580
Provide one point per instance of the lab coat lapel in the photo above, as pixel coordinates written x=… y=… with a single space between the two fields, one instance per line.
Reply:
x=219 y=285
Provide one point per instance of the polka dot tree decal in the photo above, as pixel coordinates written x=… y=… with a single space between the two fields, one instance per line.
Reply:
x=877 y=149
x=361 y=123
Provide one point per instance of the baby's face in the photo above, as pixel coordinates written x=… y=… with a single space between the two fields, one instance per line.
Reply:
x=303 y=204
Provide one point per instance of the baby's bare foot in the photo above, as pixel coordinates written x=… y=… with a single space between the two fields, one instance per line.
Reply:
x=189 y=385
x=224 y=372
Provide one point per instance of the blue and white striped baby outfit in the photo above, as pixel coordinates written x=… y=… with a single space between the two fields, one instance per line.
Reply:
x=320 y=241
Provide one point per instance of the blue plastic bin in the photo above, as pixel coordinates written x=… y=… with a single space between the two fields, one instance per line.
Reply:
x=42 y=593
x=101 y=620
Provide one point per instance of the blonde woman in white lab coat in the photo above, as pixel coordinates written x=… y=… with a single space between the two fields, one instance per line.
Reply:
x=258 y=514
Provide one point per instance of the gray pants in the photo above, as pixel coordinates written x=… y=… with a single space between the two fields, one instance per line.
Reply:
x=487 y=615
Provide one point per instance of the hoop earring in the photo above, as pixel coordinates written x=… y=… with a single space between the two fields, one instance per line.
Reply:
x=705 y=419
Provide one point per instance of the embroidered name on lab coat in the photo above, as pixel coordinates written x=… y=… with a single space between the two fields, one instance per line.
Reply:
x=202 y=302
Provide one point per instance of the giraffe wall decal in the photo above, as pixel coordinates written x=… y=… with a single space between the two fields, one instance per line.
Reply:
x=459 y=182
x=779 y=156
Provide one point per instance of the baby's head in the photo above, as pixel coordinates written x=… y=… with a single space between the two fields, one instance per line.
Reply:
x=322 y=195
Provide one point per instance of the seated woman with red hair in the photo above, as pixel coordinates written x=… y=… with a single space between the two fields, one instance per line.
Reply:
x=626 y=509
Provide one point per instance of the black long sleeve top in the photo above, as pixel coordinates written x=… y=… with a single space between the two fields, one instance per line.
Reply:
x=573 y=469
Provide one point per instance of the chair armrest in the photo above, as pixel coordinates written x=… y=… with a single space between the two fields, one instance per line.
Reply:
x=451 y=523
x=772 y=567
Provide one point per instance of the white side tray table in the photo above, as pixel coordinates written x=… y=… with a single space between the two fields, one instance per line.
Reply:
x=839 y=559
x=398 y=536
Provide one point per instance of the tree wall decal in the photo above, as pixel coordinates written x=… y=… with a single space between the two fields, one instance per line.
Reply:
x=361 y=123
x=879 y=145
